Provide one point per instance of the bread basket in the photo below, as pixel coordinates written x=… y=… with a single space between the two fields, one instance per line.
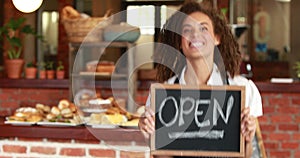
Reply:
x=78 y=28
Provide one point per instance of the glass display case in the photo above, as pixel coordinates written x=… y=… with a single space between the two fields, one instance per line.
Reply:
x=91 y=71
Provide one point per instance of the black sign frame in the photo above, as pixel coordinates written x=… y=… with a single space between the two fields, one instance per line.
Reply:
x=177 y=150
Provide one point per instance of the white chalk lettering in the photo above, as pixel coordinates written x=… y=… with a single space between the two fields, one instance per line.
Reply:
x=199 y=113
x=194 y=105
x=213 y=134
x=163 y=103
x=218 y=108
x=183 y=102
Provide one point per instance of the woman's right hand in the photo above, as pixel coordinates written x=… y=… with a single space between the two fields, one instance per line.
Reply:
x=146 y=123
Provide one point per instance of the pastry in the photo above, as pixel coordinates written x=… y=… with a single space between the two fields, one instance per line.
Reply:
x=63 y=104
x=55 y=111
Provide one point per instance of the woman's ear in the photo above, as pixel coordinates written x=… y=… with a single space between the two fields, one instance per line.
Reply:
x=217 y=40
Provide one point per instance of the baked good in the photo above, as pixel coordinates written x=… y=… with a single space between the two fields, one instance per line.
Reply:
x=63 y=104
x=50 y=116
x=26 y=114
x=107 y=119
x=66 y=113
x=34 y=118
x=106 y=66
x=133 y=122
x=55 y=111
x=73 y=108
x=16 y=118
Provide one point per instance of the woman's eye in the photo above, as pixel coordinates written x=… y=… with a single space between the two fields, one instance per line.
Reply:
x=185 y=31
x=202 y=29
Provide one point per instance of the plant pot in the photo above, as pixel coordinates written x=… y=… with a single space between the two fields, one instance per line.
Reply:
x=14 y=68
x=50 y=74
x=60 y=74
x=30 y=72
x=42 y=74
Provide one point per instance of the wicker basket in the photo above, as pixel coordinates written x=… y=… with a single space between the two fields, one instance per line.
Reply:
x=86 y=29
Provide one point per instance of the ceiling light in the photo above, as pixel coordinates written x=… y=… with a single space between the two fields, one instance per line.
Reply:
x=27 y=6
x=283 y=0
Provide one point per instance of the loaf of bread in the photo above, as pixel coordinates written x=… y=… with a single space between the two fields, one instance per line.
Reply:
x=26 y=114
x=68 y=12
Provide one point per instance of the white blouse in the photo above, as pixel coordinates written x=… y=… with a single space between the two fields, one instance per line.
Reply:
x=253 y=97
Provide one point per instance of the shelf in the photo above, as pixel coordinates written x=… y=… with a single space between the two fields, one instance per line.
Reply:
x=153 y=2
x=34 y=83
x=102 y=44
x=100 y=75
x=82 y=80
x=77 y=132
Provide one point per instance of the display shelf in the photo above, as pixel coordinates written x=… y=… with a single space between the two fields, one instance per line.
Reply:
x=70 y=132
x=100 y=75
x=82 y=53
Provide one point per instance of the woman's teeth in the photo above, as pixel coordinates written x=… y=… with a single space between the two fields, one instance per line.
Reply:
x=197 y=44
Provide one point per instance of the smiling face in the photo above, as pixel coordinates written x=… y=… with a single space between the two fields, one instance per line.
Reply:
x=198 y=39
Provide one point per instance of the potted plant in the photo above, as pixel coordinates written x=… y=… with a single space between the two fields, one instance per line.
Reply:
x=42 y=70
x=50 y=70
x=297 y=68
x=11 y=33
x=60 y=70
x=30 y=70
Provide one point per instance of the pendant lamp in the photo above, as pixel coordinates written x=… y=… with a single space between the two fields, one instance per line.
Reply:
x=27 y=6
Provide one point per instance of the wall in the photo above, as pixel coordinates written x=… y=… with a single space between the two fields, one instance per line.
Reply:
x=12 y=98
x=53 y=148
x=280 y=124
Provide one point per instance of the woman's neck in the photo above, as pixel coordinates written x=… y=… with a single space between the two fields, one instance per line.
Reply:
x=198 y=72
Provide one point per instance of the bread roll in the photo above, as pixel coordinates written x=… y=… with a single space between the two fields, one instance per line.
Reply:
x=55 y=111
x=39 y=106
x=63 y=104
x=27 y=110
x=73 y=108
x=34 y=118
x=46 y=108
x=22 y=114
x=50 y=116
x=16 y=118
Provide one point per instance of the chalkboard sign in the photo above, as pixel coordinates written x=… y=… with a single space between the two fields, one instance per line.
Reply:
x=197 y=121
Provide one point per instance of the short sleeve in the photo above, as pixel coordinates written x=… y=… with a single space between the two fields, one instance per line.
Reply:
x=253 y=97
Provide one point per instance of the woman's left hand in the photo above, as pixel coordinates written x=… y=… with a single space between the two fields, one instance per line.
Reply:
x=248 y=125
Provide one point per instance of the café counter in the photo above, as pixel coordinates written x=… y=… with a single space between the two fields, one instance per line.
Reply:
x=281 y=119
x=63 y=141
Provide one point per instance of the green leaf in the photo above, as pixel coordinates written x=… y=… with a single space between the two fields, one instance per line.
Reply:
x=15 y=42
x=28 y=30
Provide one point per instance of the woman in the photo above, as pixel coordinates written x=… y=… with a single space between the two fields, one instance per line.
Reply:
x=203 y=39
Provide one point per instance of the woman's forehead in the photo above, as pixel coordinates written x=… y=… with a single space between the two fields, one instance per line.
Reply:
x=197 y=18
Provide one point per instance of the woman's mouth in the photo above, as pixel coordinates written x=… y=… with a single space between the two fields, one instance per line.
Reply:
x=196 y=44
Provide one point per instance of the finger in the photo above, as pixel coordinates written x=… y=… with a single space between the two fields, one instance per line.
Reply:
x=146 y=135
x=249 y=135
x=250 y=129
x=150 y=116
x=245 y=112
x=149 y=127
x=244 y=117
x=251 y=126
x=141 y=123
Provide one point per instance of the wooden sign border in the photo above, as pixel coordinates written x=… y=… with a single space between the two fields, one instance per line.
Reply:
x=260 y=142
x=192 y=152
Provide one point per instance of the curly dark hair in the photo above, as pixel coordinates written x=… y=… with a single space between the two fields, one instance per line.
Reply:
x=170 y=37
